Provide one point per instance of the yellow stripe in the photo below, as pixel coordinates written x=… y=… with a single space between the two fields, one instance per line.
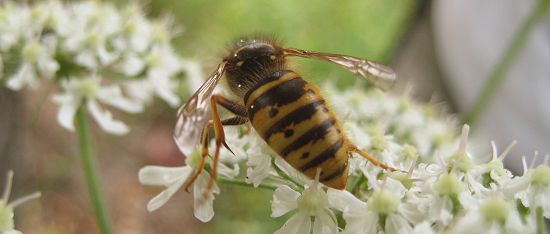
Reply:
x=262 y=89
x=261 y=120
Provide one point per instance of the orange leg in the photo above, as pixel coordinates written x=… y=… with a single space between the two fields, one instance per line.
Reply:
x=217 y=123
x=204 y=153
x=372 y=159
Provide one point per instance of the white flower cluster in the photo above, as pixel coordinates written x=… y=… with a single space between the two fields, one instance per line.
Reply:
x=443 y=187
x=7 y=225
x=96 y=53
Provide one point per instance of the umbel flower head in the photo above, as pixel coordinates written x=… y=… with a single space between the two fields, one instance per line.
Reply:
x=444 y=187
x=96 y=54
x=7 y=225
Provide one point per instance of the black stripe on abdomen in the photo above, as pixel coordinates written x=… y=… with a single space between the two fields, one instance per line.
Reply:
x=295 y=117
x=313 y=135
x=275 y=76
x=323 y=156
x=335 y=174
x=280 y=95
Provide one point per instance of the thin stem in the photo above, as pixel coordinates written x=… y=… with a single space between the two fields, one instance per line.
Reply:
x=7 y=191
x=90 y=170
x=221 y=180
x=357 y=182
x=540 y=221
x=497 y=75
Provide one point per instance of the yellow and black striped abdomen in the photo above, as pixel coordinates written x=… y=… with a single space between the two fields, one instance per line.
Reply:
x=295 y=120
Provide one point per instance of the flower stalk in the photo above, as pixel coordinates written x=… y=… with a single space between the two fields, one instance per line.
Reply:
x=540 y=221
x=497 y=75
x=222 y=180
x=90 y=171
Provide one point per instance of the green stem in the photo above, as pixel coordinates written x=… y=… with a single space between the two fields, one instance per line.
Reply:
x=540 y=221
x=221 y=180
x=356 y=183
x=497 y=75
x=90 y=170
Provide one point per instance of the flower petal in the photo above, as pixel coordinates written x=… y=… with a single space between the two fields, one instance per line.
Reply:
x=396 y=224
x=24 y=76
x=105 y=119
x=259 y=167
x=112 y=95
x=204 y=207
x=284 y=200
x=157 y=175
x=165 y=195
x=423 y=228
x=87 y=59
x=164 y=87
x=324 y=224
x=67 y=110
x=13 y=231
x=297 y=224
x=47 y=66
x=132 y=65
x=342 y=200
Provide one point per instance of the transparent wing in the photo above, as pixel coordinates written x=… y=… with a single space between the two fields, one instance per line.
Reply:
x=194 y=114
x=379 y=75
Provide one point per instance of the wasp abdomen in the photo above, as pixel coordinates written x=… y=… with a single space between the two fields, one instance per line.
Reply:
x=294 y=119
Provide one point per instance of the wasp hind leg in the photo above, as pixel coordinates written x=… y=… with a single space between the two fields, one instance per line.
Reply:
x=372 y=159
x=217 y=124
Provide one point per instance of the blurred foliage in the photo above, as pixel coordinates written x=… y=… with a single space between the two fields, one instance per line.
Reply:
x=370 y=29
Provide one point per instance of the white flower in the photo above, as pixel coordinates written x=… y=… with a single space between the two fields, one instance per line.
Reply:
x=259 y=168
x=423 y=228
x=533 y=188
x=383 y=206
x=93 y=25
x=493 y=215
x=174 y=177
x=161 y=67
x=89 y=91
x=6 y=208
x=37 y=61
x=88 y=38
x=312 y=203
x=14 y=21
x=162 y=64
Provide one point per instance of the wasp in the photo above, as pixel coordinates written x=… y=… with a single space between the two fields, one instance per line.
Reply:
x=288 y=112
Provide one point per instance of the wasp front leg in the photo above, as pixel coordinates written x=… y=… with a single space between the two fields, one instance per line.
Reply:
x=217 y=123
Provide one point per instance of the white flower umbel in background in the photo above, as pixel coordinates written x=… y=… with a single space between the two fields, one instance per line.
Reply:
x=88 y=91
x=67 y=43
x=97 y=55
x=7 y=225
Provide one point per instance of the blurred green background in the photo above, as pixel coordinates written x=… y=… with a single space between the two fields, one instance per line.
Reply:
x=364 y=28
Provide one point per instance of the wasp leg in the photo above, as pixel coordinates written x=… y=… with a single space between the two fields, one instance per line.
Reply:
x=241 y=113
x=372 y=159
x=204 y=153
x=233 y=107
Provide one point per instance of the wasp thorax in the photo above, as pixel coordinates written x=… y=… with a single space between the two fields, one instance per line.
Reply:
x=250 y=62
